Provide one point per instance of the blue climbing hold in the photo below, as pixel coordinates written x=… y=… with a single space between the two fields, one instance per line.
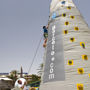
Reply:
x=63 y=2
x=54 y=15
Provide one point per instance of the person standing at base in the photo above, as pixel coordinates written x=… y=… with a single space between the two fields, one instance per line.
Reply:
x=20 y=84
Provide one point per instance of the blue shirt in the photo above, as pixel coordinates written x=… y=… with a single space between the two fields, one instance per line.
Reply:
x=45 y=30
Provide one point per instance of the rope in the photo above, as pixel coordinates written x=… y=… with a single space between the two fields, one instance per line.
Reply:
x=35 y=55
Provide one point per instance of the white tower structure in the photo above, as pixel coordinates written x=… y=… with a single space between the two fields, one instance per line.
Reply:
x=67 y=59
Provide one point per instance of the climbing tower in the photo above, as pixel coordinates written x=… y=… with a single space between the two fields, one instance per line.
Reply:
x=67 y=57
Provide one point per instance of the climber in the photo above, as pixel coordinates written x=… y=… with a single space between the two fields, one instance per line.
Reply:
x=45 y=29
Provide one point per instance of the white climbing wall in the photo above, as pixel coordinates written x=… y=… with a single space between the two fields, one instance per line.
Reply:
x=67 y=61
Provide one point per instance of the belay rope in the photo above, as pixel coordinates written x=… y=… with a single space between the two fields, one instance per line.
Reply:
x=35 y=54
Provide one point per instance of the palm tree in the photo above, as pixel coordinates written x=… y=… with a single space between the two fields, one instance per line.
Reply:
x=13 y=75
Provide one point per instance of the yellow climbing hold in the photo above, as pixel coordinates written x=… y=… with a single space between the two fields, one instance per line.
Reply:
x=72 y=39
x=84 y=57
x=67 y=23
x=64 y=14
x=68 y=7
x=82 y=44
x=70 y=62
x=89 y=75
x=65 y=31
x=72 y=17
x=80 y=71
x=80 y=87
x=76 y=28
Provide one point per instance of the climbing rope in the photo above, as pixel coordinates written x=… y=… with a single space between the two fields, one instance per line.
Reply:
x=35 y=54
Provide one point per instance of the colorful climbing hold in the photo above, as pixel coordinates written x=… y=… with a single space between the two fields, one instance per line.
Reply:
x=72 y=17
x=68 y=7
x=70 y=62
x=53 y=15
x=76 y=28
x=89 y=75
x=65 y=31
x=84 y=57
x=72 y=39
x=64 y=14
x=82 y=44
x=67 y=23
x=80 y=71
x=63 y=2
x=80 y=87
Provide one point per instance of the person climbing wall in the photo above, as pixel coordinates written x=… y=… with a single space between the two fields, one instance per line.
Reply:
x=45 y=30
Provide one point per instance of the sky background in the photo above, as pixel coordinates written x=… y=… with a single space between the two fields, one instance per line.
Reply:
x=21 y=24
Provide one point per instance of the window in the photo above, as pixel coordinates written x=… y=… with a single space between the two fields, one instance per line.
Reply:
x=80 y=71
x=72 y=39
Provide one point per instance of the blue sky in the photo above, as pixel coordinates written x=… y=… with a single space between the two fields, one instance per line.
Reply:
x=21 y=24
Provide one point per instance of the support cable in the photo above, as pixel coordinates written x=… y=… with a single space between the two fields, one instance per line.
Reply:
x=35 y=54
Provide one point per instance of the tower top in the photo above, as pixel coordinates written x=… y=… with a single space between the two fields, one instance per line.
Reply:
x=55 y=4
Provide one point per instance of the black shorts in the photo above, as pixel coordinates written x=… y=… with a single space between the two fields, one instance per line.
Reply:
x=45 y=35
